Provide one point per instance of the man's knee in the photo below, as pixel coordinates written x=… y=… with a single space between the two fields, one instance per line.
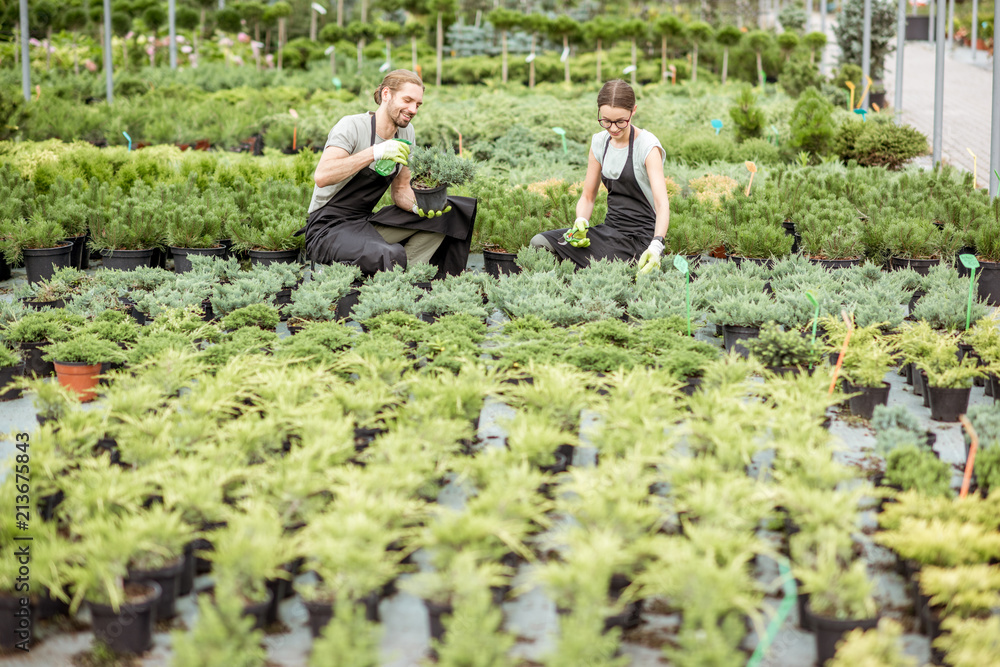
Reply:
x=540 y=241
x=383 y=258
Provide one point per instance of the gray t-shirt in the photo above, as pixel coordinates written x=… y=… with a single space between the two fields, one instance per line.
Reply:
x=615 y=162
x=353 y=134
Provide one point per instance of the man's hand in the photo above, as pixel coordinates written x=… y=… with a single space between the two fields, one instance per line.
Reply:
x=576 y=235
x=651 y=258
x=430 y=214
x=393 y=150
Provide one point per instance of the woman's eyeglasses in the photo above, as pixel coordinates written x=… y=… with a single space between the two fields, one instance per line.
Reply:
x=620 y=124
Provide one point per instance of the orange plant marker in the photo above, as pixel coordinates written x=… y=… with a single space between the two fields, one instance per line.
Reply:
x=295 y=133
x=970 y=462
x=459 y=144
x=843 y=350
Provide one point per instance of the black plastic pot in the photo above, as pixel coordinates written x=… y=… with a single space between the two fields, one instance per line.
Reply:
x=41 y=263
x=15 y=621
x=33 y=362
x=995 y=387
x=320 y=612
x=829 y=631
x=4 y=269
x=46 y=606
x=345 y=306
x=732 y=336
x=79 y=252
x=168 y=579
x=864 y=405
x=282 y=297
x=947 y=404
x=268 y=257
x=227 y=248
x=159 y=258
x=7 y=375
x=42 y=305
x=691 y=385
x=431 y=199
x=988 y=276
x=919 y=294
x=435 y=612
x=130 y=629
x=921 y=266
x=127 y=260
x=277 y=588
x=258 y=612
x=181 y=262
x=908 y=373
x=760 y=261
x=924 y=386
x=918 y=381
x=496 y=263
x=186 y=582
x=831 y=264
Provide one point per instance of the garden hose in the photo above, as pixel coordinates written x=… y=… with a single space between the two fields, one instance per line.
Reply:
x=791 y=594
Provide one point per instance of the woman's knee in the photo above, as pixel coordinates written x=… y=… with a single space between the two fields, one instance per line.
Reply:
x=540 y=241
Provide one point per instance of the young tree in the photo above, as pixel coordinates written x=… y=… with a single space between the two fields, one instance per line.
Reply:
x=568 y=30
x=205 y=5
x=601 y=30
x=415 y=30
x=534 y=23
x=281 y=10
x=153 y=18
x=815 y=41
x=788 y=41
x=699 y=33
x=252 y=12
x=727 y=36
x=504 y=20
x=388 y=30
x=360 y=33
x=634 y=29
x=43 y=17
x=73 y=20
x=121 y=25
x=850 y=28
x=331 y=34
x=667 y=26
x=758 y=40
x=442 y=7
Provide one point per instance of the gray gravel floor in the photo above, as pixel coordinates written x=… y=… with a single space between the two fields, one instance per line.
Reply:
x=532 y=617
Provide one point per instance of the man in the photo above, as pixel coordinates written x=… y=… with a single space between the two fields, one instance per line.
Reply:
x=341 y=225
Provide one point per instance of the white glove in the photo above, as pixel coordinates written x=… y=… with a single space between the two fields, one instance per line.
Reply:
x=651 y=258
x=393 y=150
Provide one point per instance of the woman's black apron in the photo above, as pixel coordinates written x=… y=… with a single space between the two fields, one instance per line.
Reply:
x=628 y=227
x=342 y=231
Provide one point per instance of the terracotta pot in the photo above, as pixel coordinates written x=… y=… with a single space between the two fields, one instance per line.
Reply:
x=80 y=377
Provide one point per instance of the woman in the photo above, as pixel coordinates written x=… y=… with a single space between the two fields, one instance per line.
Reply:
x=629 y=162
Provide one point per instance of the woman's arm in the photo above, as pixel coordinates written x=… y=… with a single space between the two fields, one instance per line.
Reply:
x=585 y=207
x=661 y=200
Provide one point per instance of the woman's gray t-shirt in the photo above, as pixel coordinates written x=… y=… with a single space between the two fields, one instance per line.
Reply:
x=353 y=134
x=612 y=166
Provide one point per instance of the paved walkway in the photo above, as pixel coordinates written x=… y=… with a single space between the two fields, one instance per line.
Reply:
x=967 y=102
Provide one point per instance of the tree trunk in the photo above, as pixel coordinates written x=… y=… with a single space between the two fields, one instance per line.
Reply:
x=267 y=41
x=413 y=52
x=566 y=64
x=760 y=70
x=17 y=44
x=361 y=47
x=663 y=58
x=333 y=62
x=281 y=40
x=364 y=11
x=124 y=54
x=256 y=31
x=725 y=63
x=503 y=60
x=340 y=13
x=633 y=62
x=201 y=24
x=812 y=54
x=694 y=64
x=440 y=47
x=312 y=24
x=76 y=58
x=48 y=48
x=598 y=60
x=531 y=65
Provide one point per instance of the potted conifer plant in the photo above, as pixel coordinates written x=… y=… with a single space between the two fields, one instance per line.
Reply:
x=38 y=242
x=432 y=171
x=195 y=229
x=11 y=366
x=130 y=229
x=78 y=362
x=35 y=331
x=864 y=369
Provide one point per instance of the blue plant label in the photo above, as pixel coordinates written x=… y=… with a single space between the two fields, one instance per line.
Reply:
x=680 y=263
x=969 y=261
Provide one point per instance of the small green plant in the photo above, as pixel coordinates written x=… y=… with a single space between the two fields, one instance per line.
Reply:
x=811 y=124
x=778 y=348
x=965 y=591
x=19 y=235
x=348 y=639
x=259 y=315
x=970 y=642
x=84 y=348
x=431 y=167
x=881 y=647
x=747 y=116
x=222 y=636
x=913 y=467
x=835 y=590
x=9 y=357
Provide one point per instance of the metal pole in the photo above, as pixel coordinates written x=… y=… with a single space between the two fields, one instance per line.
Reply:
x=866 y=53
x=172 y=21
x=930 y=21
x=108 y=66
x=939 y=83
x=975 y=28
x=951 y=24
x=995 y=125
x=900 y=47
x=25 y=53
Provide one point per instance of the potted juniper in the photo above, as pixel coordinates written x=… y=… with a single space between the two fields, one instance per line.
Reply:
x=864 y=368
x=879 y=647
x=432 y=171
x=948 y=380
x=130 y=229
x=78 y=362
x=259 y=315
x=195 y=229
x=11 y=366
x=783 y=351
x=35 y=331
x=741 y=316
x=38 y=242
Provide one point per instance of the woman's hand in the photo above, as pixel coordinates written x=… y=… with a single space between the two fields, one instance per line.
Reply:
x=651 y=258
x=576 y=235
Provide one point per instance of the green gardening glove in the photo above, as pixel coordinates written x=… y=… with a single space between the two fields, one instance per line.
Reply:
x=430 y=214
x=576 y=235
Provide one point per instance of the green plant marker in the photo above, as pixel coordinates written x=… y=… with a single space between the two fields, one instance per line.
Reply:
x=787 y=602
x=562 y=133
x=337 y=83
x=129 y=140
x=681 y=264
x=997 y=174
x=815 y=303
x=863 y=113
x=969 y=262
x=717 y=124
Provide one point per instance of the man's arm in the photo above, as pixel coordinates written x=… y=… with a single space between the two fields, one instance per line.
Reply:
x=402 y=193
x=338 y=165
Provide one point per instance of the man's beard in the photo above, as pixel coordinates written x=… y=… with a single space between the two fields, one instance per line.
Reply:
x=400 y=117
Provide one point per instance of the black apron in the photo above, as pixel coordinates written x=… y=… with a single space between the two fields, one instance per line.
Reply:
x=342 y=231
x=628 y=227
